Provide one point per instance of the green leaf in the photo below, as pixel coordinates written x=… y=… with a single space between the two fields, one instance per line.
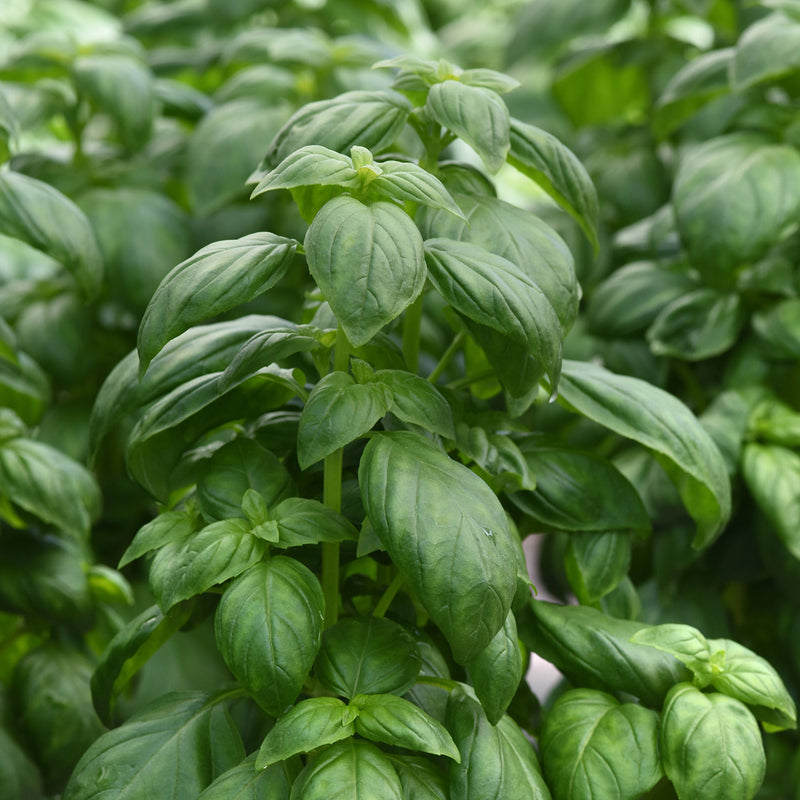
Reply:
x=311 y=165
x=768 y=50
x=773 y=476
x=687 y=644
x=489 y=79
x=494 y=292
x=497 y=670
x=420 y=779
x=188 y=729
x=660 y=422
x=734 y=196
x=217 y=278
x=447 y=533
x=127 y=653
x=50 y=485
x=302 y=521
x=41 y=216
x=123 y=88
x=774 y=422
x=553 y=166
x=191 y=566
x=496 y=761
x=51 y=688
x=697 y=326
x=367 y=656
x=235 y=468
x=594 y=650
x=243 y=782
x=501 y=462
x=710 y=746
x=692 y=86
x=580 y=492
x=402 y=180
x=369 y=119
x=416 y=401
x=338 y=411
x=170 y=526
x=596 y=563
x=24 y=388
x=753 y=681
x=268 y=628
x=310 y=724
x=394 y=721
x=594 y=746
x=368 y=261
x=518 y=236
x=20 y=775
x=353 y=769
x=778 y=328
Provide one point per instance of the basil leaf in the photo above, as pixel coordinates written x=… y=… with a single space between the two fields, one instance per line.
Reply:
x=190 y=729
x=301 y=521
x=650 y=416
x=24 y=388
x=710 y=746
x=596 y=563
x=446 y=532
x=367 y=656
x=592 y=745
x=420 y=779
x=170 y=526
x=778 y=328
x=310 y=724
x=244 y=782
x=20 y=775
x=268 y=628
x=311 y=165
x=402 y=180
x=368 y=262
x=687 y=644
x=768 y=50
x=416 y=401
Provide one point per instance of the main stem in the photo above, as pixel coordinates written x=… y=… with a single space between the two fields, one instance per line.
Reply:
x=332 y=497
x=411 y=330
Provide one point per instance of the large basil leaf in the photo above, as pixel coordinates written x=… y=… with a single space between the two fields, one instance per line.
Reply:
x=497 y=670
x=50 y=485
x=595 y=746
x=310 y=724
x=217 y=278
x=188 y=729
x=656 y=419
x=496 y=760
x=338 y=411
x=51 y=688
x=768 y=50
x=495 y=293
x=478 y=115
x=40 y=215
x=518 y=236
x=773 y=476
x=368 y=262
x=268 y=629
x=357 y=769
x=446 y=531
x=545 y=160
x=710 y=746
x=244 y=782
x=733 y=198
x=420 y=779
x=594 y=650
x=367 y=656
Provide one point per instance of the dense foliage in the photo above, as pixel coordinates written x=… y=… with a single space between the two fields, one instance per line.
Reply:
x=312 y=313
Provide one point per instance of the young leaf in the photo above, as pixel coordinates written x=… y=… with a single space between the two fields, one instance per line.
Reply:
x=338 y=411
x=687 y=644
x=710 y=746
x=496 y=761
x=773 y=476
x=650 y=416
x=479 y=116
x=367 y=656
x=402 y=180
x=185 y=568
x=311 y=165
x=310 y=724
x=596 y=563
x=767 y=50
x=215 y=279
x=355 y=768
x=545 y=160
x=594 y=650
x=244 y=782
x=594 y=746
x=368 y=262
x=188 y=729
x=394 y=721
x=446 y=532
x=494 y=292
x=40 y=215
x=752 y=680
x=302 y=521
x=497 y=670
x=171 y=526
x=268 y=628
x=416 y=401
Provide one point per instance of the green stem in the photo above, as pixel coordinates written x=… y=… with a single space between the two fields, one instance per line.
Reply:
x=386 y=599
x=447 y=357
x=462 y=383
x=412 y=323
